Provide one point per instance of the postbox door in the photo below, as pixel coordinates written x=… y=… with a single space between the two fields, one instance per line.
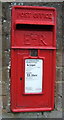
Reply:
x=25 y=100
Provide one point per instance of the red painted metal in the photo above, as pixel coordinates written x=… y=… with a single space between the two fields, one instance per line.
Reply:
x=33 y=28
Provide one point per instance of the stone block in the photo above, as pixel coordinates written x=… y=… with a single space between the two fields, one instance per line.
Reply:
x=59 y=74
x=4 y=92
x=0 y=38
x=6 y=26
x=28 y=115
x=5 y=58
x=0 y=28
x=53 y=114
x=0 y=89
x=4 y=101
x=0 y=106
x=63 y=59
x=58 y=97
x=63 y=74
x=7 y=115
x=6 y=7
x=4 y=74
x=0 y=59
x=0 y=10
x=59 y=59
x=0 y=75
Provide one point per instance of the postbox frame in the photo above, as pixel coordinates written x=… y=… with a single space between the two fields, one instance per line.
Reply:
x=14 y=48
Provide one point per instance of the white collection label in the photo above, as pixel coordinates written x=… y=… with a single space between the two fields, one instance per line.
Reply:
x=33 y=75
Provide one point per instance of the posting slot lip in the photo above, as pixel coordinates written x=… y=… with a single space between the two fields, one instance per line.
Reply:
x=34 y=22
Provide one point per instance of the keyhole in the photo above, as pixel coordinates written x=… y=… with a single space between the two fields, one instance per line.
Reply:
x=20 y=78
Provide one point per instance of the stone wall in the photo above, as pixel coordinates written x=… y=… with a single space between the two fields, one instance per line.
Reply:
x=6 y=27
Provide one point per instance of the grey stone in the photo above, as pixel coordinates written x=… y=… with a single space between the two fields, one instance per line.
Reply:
x=1 y=107
x=4 y=89
x=58 y=97
x=0 y=76
x=4 y=99
x=55 y=114
x=59 y=74
x=7 y=115
x=63 y=73
x=59 y=59
x=63 y=59
x=1 y=89
x=0 y=59
x=4 y=74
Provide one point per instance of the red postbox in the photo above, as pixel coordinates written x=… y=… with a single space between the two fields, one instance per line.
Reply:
x=33 y=58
